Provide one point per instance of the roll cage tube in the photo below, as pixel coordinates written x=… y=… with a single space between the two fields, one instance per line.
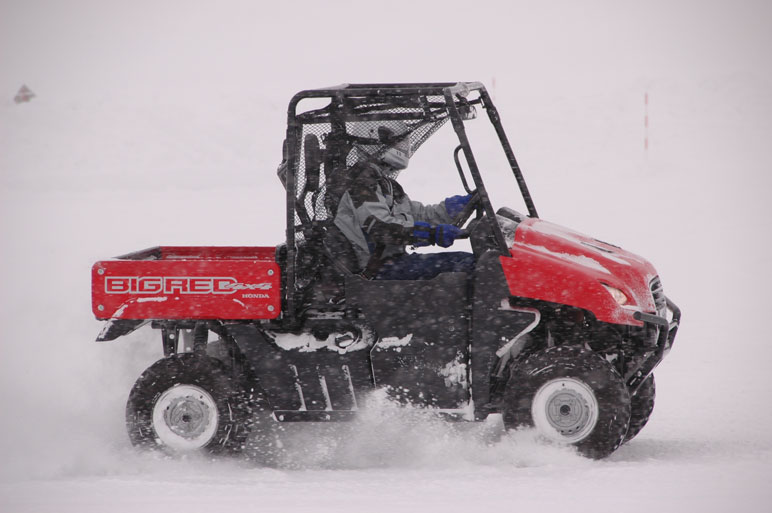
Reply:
x=460 y=169
x=289 y=270
x=493 y=114
x=458 y=126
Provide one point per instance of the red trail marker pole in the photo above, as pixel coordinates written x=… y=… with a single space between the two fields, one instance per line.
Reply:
x=646 y=123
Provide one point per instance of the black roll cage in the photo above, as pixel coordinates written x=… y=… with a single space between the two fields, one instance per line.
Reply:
x=344 y=100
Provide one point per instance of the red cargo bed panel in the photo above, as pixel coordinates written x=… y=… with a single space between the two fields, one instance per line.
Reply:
x=188 y=283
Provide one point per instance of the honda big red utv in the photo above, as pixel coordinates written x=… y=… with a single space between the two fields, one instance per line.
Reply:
x=553 y=329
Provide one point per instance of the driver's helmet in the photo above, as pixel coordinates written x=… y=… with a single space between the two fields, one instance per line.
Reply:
x=396 y=137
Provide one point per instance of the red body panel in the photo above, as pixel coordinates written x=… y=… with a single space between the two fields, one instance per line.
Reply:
x=555 y=264
x=188 y=283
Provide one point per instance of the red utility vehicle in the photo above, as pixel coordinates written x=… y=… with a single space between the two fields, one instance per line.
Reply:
x=552 y=329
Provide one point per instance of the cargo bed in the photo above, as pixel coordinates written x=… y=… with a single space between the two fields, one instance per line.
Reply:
x=171 y=282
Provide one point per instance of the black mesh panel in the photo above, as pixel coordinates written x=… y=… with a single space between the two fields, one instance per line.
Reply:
x=416 y=119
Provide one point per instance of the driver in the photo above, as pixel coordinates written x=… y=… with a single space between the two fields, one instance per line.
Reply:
x=380 y=220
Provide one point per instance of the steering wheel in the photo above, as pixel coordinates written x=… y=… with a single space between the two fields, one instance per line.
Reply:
x=474 y=204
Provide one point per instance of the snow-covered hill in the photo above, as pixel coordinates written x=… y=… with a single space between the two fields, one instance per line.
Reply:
x=161 y=123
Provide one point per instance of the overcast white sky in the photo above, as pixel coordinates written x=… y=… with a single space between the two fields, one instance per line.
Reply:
x=315 y=43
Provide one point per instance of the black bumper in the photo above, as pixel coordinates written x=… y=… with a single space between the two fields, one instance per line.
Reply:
x=667 y=333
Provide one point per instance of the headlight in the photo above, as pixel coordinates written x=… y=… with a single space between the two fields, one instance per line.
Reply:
x=617 y=294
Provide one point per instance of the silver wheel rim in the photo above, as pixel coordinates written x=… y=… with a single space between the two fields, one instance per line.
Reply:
x=185 y=417
x=565 y=410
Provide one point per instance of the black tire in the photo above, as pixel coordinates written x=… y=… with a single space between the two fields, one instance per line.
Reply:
x=571 y=396
x=188 y=403
x=641 y=406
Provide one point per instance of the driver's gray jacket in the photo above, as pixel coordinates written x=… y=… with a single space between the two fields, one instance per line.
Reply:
x=375 y=211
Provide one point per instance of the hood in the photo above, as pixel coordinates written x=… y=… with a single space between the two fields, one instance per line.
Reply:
x=553 y=263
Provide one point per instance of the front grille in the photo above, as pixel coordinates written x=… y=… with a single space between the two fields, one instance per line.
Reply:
x=655 y=285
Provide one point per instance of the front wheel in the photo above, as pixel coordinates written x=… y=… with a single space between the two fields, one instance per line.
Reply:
x=642 y=404
x=570 y=395
x=187 y=403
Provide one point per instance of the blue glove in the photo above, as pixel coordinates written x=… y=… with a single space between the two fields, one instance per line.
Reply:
x=445 y=235
x=455 y=204
x=423 y=234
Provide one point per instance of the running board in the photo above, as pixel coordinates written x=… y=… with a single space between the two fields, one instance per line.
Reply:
x=349 y=415
x=314 y=416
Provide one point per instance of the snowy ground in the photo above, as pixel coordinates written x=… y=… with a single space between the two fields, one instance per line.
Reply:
x=162 y=124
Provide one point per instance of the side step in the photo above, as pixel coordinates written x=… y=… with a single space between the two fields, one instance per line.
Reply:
x=349 y=415
x=314 y=415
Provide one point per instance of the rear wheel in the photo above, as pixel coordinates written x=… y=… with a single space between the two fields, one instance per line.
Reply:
x=187 y=403
x=642 y=404
x=570 y=395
